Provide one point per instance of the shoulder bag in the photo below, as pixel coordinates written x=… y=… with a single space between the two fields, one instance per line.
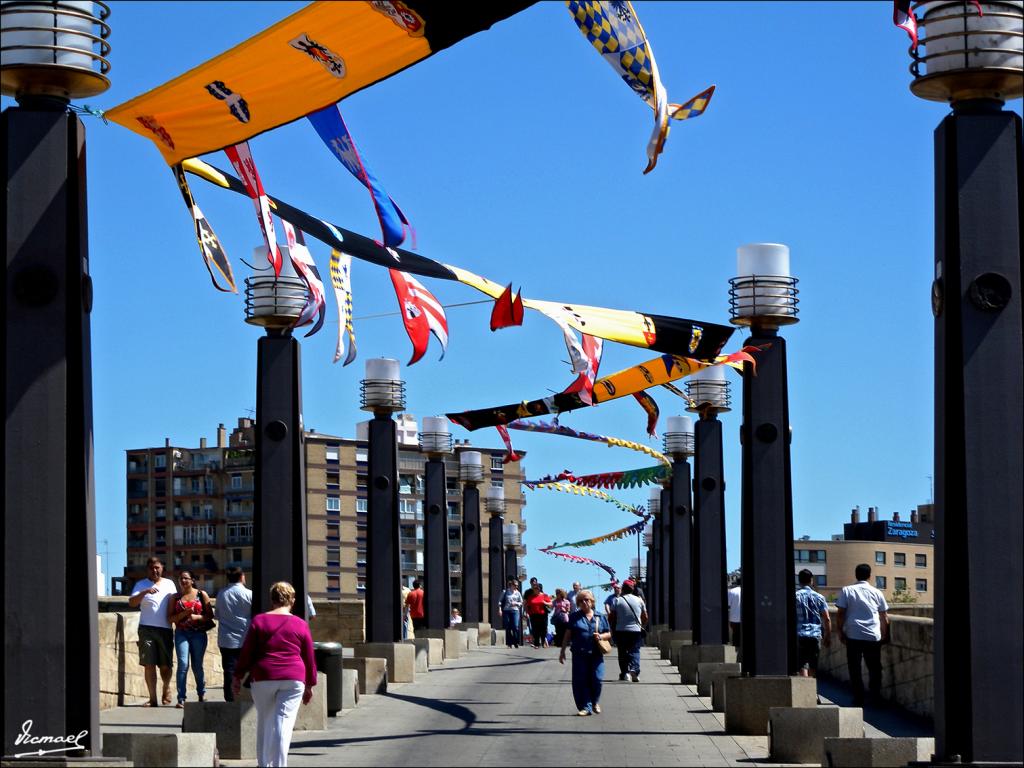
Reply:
x=603 y=646
x=208 y=622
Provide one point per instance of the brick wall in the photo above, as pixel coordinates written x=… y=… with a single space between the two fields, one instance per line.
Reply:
x=339 y=621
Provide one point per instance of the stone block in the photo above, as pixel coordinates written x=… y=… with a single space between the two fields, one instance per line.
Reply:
x=313 y=716
x=797 y=734
x=673 y=651
x=667 y=636
x=162 y=750
x=707 y=668
x=689 y=656
x=748 y=699
x=654 y=632
x=453 y=640
x=483 y=631
x=400 y=657
x=233 y=722
x=349 y=689
x=718 y=689
x=472 y=637
x=872 y=753
x=373 y=673
x=422 y=653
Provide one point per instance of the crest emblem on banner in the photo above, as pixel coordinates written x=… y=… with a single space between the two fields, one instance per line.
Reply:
x=401 y=14
x=238 y=106
x=327 y=58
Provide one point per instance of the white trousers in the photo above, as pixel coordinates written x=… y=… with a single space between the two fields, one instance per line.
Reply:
x=277 y=706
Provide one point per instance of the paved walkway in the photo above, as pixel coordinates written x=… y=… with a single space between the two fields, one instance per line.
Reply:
x=500 y=707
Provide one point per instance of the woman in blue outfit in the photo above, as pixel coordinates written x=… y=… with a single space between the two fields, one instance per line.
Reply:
x=585 y=625
x=511 y=608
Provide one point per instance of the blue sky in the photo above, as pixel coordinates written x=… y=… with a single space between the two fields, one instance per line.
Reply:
x=518 y=154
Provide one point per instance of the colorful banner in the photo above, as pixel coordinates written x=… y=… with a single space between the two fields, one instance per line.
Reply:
x=341 y=279
x=584 y=384
x=629 y=478
x=510 y=454
x=630 y=530
x=241 y=158
x=209 y=245
x=422 y=314
x=330 y=126
x=651 y=408
x=580 y=560
x=579 y=490
x=553 y=428
x=508 y=310
x=317 y=56
x=305 y=268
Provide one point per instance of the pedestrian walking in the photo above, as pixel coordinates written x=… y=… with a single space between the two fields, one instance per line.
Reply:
x=863 y=627
x=407 y=630
x=628 y=616
x=278 y=654
x=156 y=638
x=190 y=612
x=537 y=606
x=735 y=599
x=813 y=625
x=233 y=611
x=586 y=629
x=560 y=610
x=571 y=597
x=415 y=603
x=511 y=604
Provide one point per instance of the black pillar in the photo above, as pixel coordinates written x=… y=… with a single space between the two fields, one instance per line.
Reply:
x=654 y=572
x=675 y=501
x=496 y=577
x=665 y=521
x=51 y=658
x=511 y=563
x=978 y=445
x=383 y=574
x=711 y=619
x=279 y=529
x=472 y=575
x=768 y=607
x=437 y=600
x=650 y=585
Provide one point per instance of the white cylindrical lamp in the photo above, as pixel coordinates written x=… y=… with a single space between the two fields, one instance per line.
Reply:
x=679 y=436
x=435 y=437
x=382 y=390
x=471 y=466
x=763 y=292
x=496 y=500
x=274 y=302
x=708 y=388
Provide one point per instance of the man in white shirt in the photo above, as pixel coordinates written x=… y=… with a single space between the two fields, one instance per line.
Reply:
x=234 y=610
x=735 y=614
x=156 y=638
x=863 y=627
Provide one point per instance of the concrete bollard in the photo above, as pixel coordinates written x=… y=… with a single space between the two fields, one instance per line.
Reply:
x=705 y=669
x=372 y=673
x=748 y=699
x=665 y=638
x=689 y=656
x=233 y=722
x=401 y=659
x=718 y=680
x=797 y=734
x=163 y=750
x=313 y=716
x=349 y=689
x=454 y=641
x=874 y=753
x=422 y=660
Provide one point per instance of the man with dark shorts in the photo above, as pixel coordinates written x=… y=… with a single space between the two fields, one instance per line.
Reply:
x=156 y=638
x=813 y=625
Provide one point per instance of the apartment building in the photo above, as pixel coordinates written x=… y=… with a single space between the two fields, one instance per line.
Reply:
x=193 y=507
x=901 y=554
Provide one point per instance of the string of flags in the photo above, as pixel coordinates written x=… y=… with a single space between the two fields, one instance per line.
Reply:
x=580 y=490
x=630 y=530
x=553 y=428
x=580 y=560
x=629 y=478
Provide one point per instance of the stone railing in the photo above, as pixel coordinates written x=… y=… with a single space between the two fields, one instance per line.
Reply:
x=907 y=663
x=122 y=679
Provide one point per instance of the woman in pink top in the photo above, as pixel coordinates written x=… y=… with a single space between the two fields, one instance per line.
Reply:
x=278 y=653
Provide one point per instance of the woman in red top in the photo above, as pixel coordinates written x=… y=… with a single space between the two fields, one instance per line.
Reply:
x=188 y=611
x=278 y=653
x=537 y=606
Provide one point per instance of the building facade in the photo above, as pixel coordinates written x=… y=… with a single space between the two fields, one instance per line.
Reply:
x=900 y=553
x=193 y=508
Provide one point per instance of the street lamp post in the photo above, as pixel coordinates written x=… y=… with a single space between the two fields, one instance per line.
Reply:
x=649 y=571
x=383 y=393
x=436 y=443
x=974 y=62
x=279 y=514
x=471 y=472
x=676 y=503
x=511 y=536
x=708 y=391
x=52 y=53
x=763 y=296
x=659 y=578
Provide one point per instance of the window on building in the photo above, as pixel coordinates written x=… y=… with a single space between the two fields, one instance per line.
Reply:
x=900 y=584
x=921 y=561
x=499 y=483
x=496 y=465
x=333 y=531
x=176 y=486
x=161 y=512
x=362 y=455
x=820 y=580
x=331 y=454
x=333 y=557
x=160 y=461
x=451 y=483
x=208 y=511
x=454 y=512
x=880 y=582
x=160 y=487
x=921 y=585
x=819 y=555
x=410 y=484
x=333 y=479
x=333 y=504
x=333 y=584
x=239 y=533
x=899 y=559
x=236 y=482
x=880 y=558
x=410 y=509
x=361 y=506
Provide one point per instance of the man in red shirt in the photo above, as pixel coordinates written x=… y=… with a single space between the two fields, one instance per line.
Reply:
x=415 y=604
x=537 y=606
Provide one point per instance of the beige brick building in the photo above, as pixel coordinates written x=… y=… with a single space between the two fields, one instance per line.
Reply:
x=193 y=507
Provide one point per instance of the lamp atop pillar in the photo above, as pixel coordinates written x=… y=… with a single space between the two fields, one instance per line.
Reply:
x=969 y=55
x=274 y=303
x=471 y=468
x=435 y=439
x=708 y=390
x=763 y=293
x=496 y=503
x=382 y=391
x=654 y=501
x=648 y=538
x=510 y=535
x=637 y=570
x=679 y=437
x=54 y=50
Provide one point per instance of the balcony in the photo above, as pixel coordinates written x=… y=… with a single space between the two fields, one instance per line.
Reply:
x=138 y=518
x=454 y=569
x=239 y=513
x=239 y=457
x=410 y=566
x=411 y=541
x=239 y=541
x=455 y=544
x=136 y=542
